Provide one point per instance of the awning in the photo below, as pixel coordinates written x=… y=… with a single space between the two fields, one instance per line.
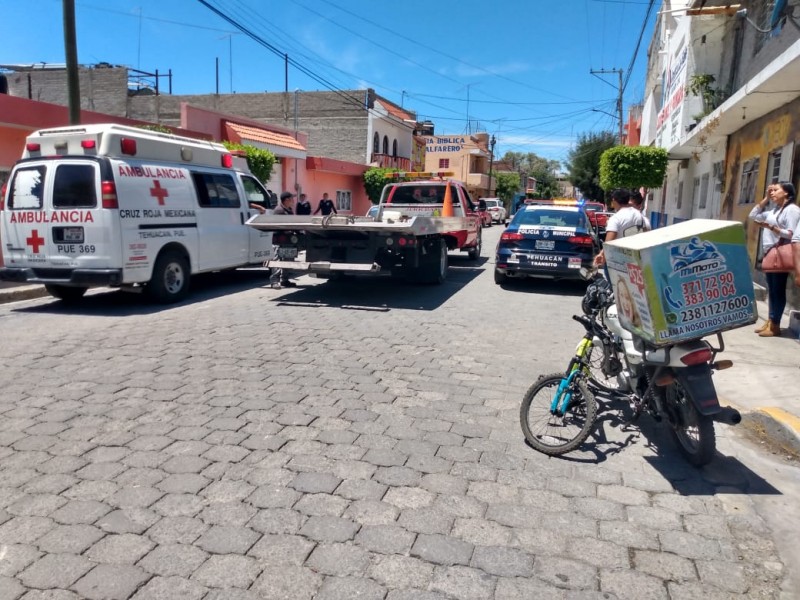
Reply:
x=280 y=144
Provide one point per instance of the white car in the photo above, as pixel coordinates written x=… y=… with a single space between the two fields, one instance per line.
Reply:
x=496 y=209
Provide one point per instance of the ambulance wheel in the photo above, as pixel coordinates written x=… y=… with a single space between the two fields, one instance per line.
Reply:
x=65 y=293
x=170 y=281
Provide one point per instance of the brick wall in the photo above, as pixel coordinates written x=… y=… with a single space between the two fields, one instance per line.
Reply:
x=102 y=90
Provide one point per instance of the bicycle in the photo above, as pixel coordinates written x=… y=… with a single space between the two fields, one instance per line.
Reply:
x=570 y=408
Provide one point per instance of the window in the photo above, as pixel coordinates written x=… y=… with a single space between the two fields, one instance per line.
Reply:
x=394 y=148
x=774 y=168
x=717 y=175
x=703 y=191
x=747 y=185
x=680 y=196
x=386 y=144
x=444 y=163
x=74 y=187
x=215 y=190
x=696 y=191
x=254 y=191
x=376 y=143
x=27 y=188
x=344 y=200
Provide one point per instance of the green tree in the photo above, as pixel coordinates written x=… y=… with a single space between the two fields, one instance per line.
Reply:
x=633 y=167
x=533 y=165
x=260 y=162
x=375 y=180
x=584 y=163
x=507 y=185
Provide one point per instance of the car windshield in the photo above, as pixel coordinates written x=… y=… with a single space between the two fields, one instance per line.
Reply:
x=491 y=203
x=549 y=217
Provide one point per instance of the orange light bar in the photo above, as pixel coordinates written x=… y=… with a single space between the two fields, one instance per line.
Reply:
x=418 y=174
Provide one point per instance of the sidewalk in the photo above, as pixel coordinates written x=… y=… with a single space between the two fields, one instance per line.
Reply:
x=763 y=382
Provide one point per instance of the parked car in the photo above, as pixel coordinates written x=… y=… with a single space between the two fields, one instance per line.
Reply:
x=373 y=211
x=484 y=214
x=496 y=209
x=552 y=241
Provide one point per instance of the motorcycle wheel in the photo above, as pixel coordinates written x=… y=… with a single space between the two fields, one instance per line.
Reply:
x=553 y=434
x=693 y=433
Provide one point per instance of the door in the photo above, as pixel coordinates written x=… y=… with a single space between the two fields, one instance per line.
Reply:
x=54 y=217
x=223 y=242
x=260 y=242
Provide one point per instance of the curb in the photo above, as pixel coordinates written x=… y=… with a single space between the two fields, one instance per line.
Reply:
x=781 y=428
x=26 y=292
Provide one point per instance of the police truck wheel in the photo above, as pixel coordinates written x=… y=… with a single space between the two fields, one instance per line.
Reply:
x=65 y=293
x=170 y=281
x=499 y=277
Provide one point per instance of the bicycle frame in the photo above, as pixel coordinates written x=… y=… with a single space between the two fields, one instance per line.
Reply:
x=563 y=395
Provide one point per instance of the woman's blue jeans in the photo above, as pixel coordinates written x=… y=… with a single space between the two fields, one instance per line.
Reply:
x=776 y=295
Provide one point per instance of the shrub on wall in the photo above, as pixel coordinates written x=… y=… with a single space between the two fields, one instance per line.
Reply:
x=260 y=162
x=632 y=167
x=375 y=180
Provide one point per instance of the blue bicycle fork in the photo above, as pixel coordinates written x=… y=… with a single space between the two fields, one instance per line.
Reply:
x=563 y=395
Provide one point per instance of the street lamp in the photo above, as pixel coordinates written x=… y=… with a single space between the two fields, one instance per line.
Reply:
x=492 y=142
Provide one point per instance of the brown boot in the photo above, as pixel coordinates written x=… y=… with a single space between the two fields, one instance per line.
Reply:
x=774 y=330
x=764 y=327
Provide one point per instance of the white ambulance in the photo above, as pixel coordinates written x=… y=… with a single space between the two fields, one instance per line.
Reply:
x=110 y=205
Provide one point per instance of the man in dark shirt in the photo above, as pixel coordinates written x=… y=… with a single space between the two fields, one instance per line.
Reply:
x=303 y=206
x=280 y=277
x=326 y=206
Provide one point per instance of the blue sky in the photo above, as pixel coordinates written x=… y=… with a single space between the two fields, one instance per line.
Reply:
x=519 y=69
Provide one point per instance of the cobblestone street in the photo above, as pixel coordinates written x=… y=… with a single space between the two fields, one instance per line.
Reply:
x=343 y=440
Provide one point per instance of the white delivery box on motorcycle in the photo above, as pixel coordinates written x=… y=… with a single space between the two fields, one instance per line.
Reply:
x=682 y=282
x=111 y=205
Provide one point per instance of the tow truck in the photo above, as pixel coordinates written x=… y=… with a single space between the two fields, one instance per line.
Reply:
x=421 y=216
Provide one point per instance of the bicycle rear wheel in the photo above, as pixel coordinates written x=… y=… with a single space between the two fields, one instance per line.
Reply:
x=555 y=434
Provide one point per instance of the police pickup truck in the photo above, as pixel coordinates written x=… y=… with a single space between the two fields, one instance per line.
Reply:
x=417 y=223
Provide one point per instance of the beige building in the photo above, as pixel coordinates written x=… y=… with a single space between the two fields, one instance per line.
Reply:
x=467 y=156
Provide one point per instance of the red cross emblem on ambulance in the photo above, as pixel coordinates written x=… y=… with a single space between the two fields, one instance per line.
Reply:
x=35 y=241
x=158 y=192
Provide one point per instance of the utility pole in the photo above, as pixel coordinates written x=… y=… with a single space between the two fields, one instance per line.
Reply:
x=71 y=54
x=619 y=94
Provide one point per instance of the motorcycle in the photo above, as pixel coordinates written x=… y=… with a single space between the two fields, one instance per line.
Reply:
x=672 y=383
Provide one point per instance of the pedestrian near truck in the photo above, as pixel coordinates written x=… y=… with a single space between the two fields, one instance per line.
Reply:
x=778 y=216
x=326 y=206
x=279 y=277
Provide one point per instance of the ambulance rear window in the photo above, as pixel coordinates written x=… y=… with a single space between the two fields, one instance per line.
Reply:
x=215 y=190
x=27 y=188
x=74 y=187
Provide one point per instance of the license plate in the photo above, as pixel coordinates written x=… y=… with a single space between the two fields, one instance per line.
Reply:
x=574 y=263
x=287 y=253
x=545 y=244
x=73 y=234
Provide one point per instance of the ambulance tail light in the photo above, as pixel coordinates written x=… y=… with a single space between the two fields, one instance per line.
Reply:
x=33 y=147
x=128 y=146
x=88 y=144
x=108 y=189
x=227 y=161
x=3 y=191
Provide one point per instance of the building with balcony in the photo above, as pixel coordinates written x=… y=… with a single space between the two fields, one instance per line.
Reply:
x=467 y=156
x=722 y=98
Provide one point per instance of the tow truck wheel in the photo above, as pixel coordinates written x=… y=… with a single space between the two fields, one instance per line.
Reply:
x=170 y=281
x=65 y=293
x=433 y=264
x=475 y=253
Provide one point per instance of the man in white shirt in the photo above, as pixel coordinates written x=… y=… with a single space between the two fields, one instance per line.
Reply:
x=625 y=221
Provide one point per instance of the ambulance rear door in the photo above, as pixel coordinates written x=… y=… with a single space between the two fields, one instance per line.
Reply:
x=54 y=218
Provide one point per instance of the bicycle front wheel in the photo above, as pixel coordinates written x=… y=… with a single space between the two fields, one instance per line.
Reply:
x=554 y=434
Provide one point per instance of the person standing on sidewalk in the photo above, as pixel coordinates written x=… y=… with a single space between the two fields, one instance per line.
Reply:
x=625 y=221
x=326 y=206
x=279 y=277
x=637 y=202
x=778 y=223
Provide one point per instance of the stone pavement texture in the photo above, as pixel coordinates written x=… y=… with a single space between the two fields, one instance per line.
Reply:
x=345 y=441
